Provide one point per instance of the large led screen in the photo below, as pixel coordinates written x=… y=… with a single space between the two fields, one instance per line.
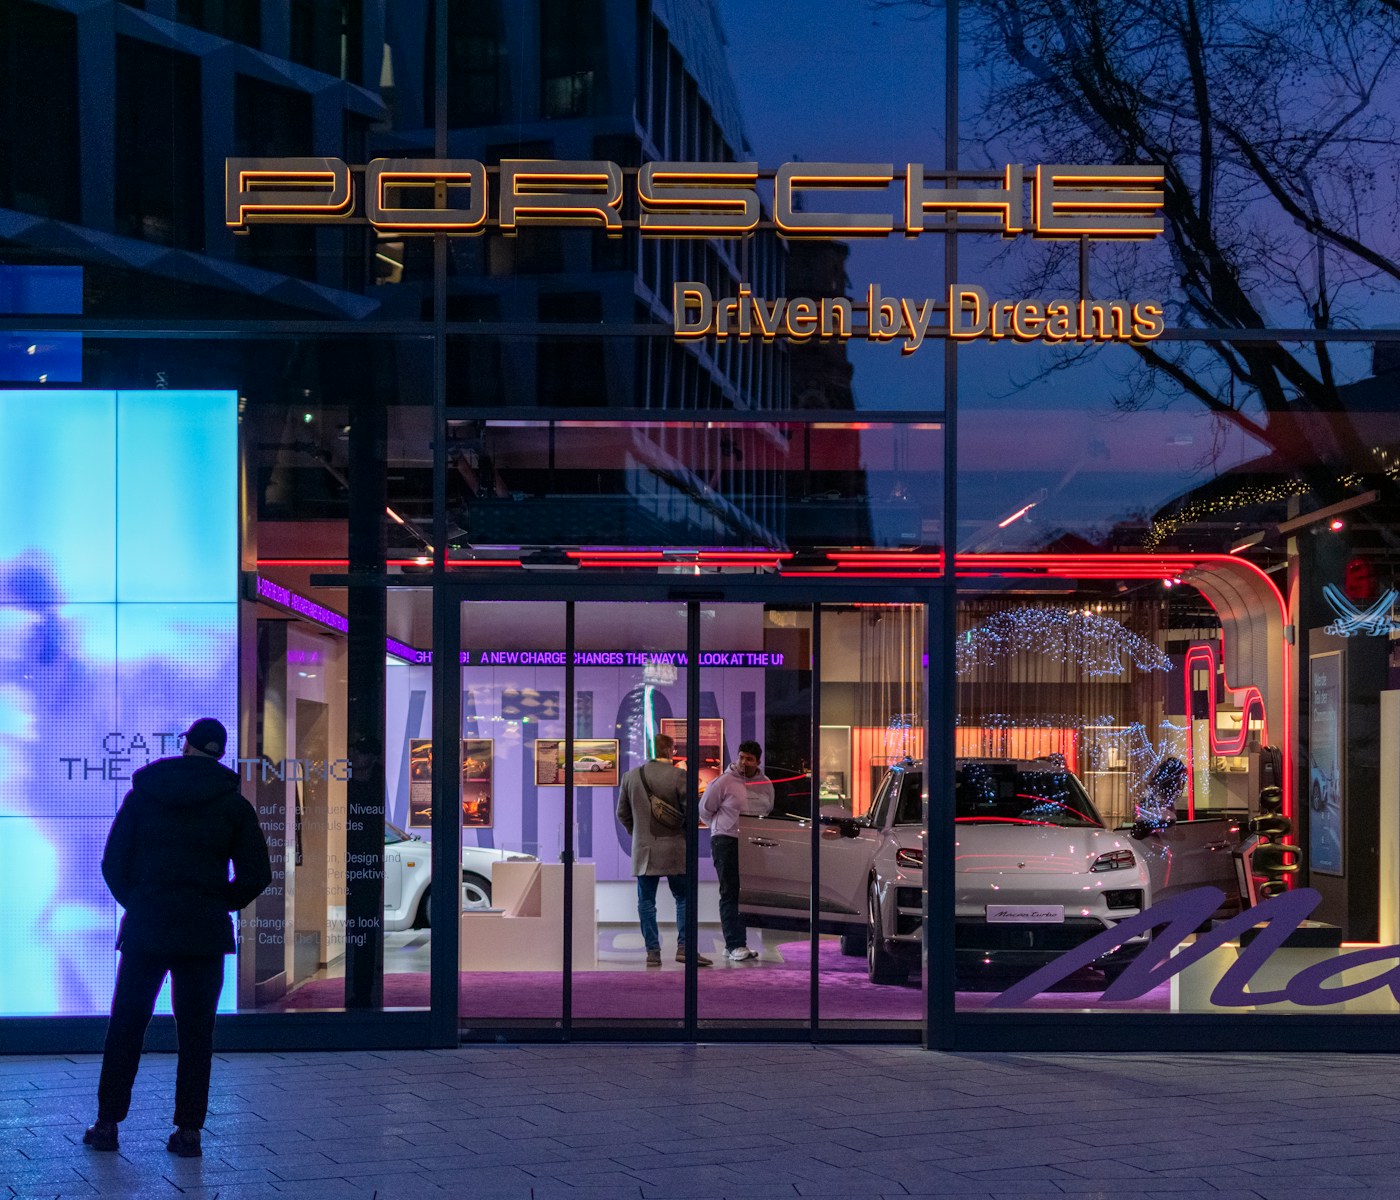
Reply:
x=118 y=626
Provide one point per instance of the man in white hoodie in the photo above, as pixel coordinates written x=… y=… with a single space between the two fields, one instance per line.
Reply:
x=743 y=790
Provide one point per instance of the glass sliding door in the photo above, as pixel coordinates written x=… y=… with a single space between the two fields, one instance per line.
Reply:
x=790 y=897
x=753 y=753
x=512 y=760
x=869 y=771
x=630 y=684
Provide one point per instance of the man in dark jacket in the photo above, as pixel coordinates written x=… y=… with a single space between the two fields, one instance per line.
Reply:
x=167 y=863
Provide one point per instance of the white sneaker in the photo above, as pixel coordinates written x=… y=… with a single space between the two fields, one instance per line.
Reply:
x=739 y=955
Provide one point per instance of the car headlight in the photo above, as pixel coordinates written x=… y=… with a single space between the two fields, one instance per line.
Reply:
x=910 y=858
x=1114 y=860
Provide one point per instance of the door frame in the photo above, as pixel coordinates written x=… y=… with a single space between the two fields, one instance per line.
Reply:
x=938 y=596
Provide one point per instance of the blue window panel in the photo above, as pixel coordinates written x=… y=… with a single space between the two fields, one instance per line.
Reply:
x=41 y=290
x=41 y=357
x=177 y=496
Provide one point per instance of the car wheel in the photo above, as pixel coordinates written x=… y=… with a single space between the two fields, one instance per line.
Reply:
x=1111 y=972
x=476 y=891
x=853 y=943
x=882 y=966
x=422 y=920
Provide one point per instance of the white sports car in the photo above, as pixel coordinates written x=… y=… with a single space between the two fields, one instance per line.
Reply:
x=408 y=877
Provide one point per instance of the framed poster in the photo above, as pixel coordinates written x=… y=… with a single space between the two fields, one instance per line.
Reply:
x=710 y=758
x=477 y=758
x=834 y=775
x=1325 y=748
x=595 y=762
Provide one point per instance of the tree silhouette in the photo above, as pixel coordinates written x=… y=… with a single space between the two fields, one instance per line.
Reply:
x=1277 y=125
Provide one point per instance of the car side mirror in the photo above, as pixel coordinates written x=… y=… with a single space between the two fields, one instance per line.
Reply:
x=1141 y=829
x=846 y=827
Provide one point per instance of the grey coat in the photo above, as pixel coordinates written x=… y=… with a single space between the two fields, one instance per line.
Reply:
x=654 y=851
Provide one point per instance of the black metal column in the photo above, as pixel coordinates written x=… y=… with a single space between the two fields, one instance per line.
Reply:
x=364 y=816
x=940 y=850
x=445 y=903
x=567 y=855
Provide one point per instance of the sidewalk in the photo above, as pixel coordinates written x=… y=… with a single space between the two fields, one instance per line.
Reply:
x=529 y=1123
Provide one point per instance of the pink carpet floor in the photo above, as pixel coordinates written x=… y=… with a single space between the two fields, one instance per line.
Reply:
x=753 y=992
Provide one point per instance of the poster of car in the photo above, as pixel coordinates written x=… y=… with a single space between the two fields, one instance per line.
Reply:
x=1325 y=763
x=477 y=757
x=834 y=742
x=711 y=754
x=595 y=762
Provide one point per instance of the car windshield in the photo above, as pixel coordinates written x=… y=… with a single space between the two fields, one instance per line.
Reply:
x=392 y=834
x=1003 y=793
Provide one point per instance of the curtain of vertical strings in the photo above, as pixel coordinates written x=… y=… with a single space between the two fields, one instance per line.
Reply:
x=892 y=670
x=1086 y=681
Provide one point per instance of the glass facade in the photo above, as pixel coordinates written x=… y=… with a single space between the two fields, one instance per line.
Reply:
x=988 y=409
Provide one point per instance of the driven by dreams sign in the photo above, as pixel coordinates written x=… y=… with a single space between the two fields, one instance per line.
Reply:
x=407 y=196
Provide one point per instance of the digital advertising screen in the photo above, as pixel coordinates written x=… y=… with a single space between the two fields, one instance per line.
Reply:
x=118 y=627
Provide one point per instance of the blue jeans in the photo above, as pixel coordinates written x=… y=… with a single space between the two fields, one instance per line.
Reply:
x=646 y=907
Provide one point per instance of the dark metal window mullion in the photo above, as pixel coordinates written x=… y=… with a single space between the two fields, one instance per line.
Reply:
x=692 y=809
x=814 y=889
x=940 y=679
x=567 y=855
x=444 y=970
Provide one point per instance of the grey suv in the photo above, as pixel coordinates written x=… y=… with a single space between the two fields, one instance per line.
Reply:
x=1037 y=871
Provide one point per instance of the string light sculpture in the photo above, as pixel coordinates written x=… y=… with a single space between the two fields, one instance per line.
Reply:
x=1096 y=644
x=1163 y=528
x=1133 y=743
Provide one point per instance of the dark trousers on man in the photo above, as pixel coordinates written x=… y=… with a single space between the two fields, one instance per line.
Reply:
x=725 y=851
x=195 y=983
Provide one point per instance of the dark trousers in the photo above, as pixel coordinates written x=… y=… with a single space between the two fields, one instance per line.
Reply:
x=725 y=851
x=195 y=983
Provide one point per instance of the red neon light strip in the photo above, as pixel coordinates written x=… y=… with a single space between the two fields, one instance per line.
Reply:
x=333 y=562
x=388 y=562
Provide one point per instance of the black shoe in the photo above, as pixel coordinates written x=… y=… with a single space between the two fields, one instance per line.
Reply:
x=101 y=1135
x=185 y=1143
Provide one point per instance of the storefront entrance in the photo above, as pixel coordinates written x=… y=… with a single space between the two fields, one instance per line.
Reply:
x=556 y=700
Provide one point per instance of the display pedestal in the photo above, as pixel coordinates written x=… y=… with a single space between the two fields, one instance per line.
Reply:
x=524 y=929
x=1192 y=988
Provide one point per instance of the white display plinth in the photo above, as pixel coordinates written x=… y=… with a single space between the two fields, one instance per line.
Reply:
x=524 y=929
x=1192 y=988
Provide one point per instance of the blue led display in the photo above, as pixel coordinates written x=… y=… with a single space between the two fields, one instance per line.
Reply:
x=118 y=626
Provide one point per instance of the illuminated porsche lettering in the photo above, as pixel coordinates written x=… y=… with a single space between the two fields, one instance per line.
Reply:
x=698 y=200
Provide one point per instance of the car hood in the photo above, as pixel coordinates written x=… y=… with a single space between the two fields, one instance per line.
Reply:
x=484 y=854
x=1046 y=849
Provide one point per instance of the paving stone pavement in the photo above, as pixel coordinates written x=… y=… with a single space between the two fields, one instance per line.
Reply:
x=713 y=1122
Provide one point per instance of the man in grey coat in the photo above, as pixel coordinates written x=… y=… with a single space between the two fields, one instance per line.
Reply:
x=656 y=851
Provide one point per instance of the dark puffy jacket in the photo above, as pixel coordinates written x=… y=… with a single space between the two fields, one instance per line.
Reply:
x=167 y=857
